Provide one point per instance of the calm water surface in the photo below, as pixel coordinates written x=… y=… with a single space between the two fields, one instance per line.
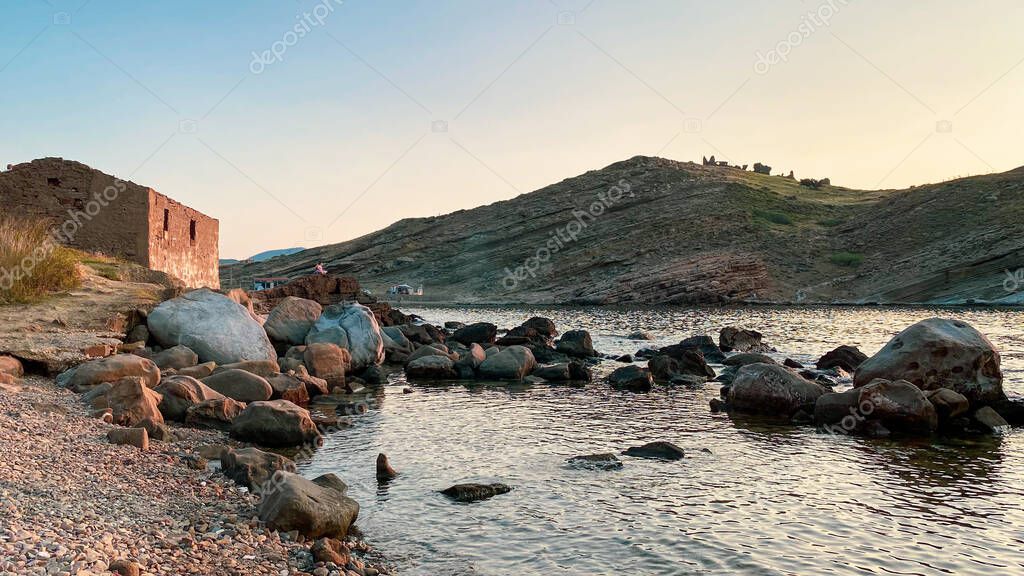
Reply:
x=750 y=498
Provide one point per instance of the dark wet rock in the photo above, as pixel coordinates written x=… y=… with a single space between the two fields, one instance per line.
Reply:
x=543 y=326
x=625 y=358
x=275 y=423
x=657 y=450
x=632 y=378
x=546 y=355
x=1012 y=410
x=948 y=404
x=478 y=333
x=898 y=407
x=745 y=358
x=674 y=361
x=422 y=333
x=790 y=363
x=687 y=381
x=553 y=372
x=716 y=405
x=733 y=339
x=475 y=492
x=647 y=353
x=606 y=461
x=252 y=467
x=771 y=390
x=640 y=335
x=453 y=325
x=580 y=372
x=315 y=508
x=288 y=387
x=576 y=343
x=431 y=368
x=512 y=363
x=846 y=357
x=384 y=469
x=707 y=347
x=523 y=336
x=469 y=361
x=939 y=353
x=990 y=420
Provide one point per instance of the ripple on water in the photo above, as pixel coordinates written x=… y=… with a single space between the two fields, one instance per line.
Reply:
x=766 y=499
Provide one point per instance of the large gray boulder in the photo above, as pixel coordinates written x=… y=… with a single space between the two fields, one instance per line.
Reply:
x=275 y=423
x=877 y=409
x=181 y=393
x=939 y=353
x=771 y=390
x=315 y=508
x=291 y=320
x=110 y=369
x=215 y=327
x=353 y=327
x=512 y=363
x=177 y=357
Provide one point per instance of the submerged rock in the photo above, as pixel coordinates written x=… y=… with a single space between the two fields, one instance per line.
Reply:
x=732 y=339
x=846 y=357
x=479 y=333
x=475 y=492
x=632 y=378
x=657 y=450
x=707 y=347
x=577 y=343
x=877 y=409
x=606 y=461
x=771 y=390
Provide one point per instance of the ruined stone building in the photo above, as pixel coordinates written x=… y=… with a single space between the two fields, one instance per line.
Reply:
x=96 y=212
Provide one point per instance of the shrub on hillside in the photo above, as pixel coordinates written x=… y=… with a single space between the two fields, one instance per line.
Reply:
x=32 y=263
x=848 y=259
x=773 y=217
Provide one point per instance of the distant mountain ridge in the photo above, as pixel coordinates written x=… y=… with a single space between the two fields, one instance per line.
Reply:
x=655 y=231
x=263 y=256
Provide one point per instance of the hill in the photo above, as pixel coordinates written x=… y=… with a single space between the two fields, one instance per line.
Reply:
x=655 y=231
x=263 y=256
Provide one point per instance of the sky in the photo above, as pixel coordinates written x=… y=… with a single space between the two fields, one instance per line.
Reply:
x=302 y=122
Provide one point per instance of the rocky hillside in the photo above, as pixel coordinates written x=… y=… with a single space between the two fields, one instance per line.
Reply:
x=655 y=231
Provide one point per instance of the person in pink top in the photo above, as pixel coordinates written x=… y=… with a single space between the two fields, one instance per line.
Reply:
x=320 y=269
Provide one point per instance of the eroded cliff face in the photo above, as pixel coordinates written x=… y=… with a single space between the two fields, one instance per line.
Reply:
x=655 y=231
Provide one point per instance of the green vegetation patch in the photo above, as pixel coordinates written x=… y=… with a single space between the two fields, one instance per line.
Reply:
x=774 y=217
x=848 y=259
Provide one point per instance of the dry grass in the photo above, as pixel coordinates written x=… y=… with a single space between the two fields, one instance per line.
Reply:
x=32 y=264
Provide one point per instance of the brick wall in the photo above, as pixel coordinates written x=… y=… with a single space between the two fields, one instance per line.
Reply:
x=183 y=242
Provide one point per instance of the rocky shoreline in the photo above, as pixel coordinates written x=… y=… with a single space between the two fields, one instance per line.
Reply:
x=73 y=503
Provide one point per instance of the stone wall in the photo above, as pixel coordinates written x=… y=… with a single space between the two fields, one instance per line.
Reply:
x=183 y=242
x=91 y=210
x=96 y=212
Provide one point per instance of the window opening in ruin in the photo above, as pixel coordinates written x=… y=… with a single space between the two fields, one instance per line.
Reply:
x=53 y=181
x=192 y=231
x=167 y=219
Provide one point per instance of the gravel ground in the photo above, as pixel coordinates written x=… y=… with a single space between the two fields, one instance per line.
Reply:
x=72 y=503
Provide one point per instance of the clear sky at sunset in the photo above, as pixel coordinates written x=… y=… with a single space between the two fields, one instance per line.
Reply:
x=304 y=122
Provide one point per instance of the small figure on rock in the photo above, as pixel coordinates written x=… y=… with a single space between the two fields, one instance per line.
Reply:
x=320 y=270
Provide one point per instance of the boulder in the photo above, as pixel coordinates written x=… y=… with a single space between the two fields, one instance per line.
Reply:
x=475 y=492
x=212 y=325
x=200 y=371
x=678 y=361
x=544 y=326
x=736 y=339
x=275 y=423
x=314 y=386
x=707 y=347
x=240 y=385
x=771 y=390
x=432 y=350
x=431 y=368
x=877 y=409
x=523 y=336
x=939 y=353
x=512 y=363
x=632 y=377
x=110 y=369
x=181 y=393
x=11 y=366
x=353 y=327
x=131 y=401
x=176 y=357
x=743 y=359
x=252 y=467
x=289 y=322
x=97 y=396
x=216 y=413
x=330 y=550
x=846 y=357
x=422 y=333
x=579 y=371
x=478 y=333
x=327 y=361
x=137 y=437
x=288 y=387
x=657 y=450
x=140 y=333
x=553 y=372
x=396 y=345
x=640 y=335
x=948 y=404
x=314 y=508
x=384 y=469
x=577 y=343
x=264 y=368
x=596 y=462
x=790 y=363
x=990 y=420
x=469 y=361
